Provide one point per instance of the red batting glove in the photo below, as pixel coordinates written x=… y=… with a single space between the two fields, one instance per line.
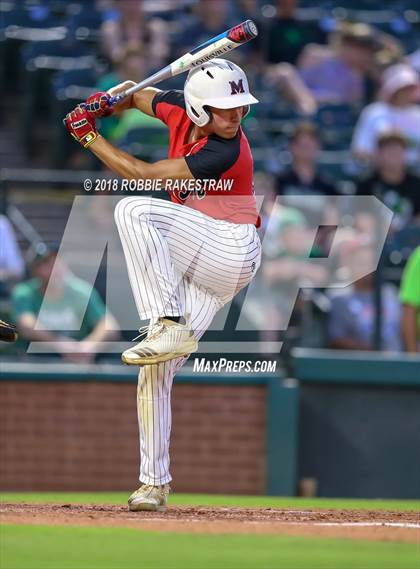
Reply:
x=81 y=125
x=98 y=105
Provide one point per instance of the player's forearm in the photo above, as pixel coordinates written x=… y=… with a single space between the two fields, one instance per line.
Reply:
x=28 y=331
x=120 y=161
x=106 y=330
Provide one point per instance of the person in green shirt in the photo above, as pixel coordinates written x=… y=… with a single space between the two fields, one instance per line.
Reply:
x=131 y=65
x=410 y=298
x=64 y=311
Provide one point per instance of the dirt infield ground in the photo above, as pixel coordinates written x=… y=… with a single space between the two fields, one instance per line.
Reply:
x=353 y=524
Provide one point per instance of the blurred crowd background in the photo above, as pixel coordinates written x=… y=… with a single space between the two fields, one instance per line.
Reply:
x=339 y=115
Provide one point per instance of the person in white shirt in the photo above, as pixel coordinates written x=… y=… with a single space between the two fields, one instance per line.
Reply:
x=397 y=109
x=413 y=59
x=12 y=265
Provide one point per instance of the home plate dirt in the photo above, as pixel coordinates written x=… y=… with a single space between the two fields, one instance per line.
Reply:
x=352 y=524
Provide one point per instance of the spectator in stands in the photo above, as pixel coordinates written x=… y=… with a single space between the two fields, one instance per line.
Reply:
x=271 y=304
x=132 y=65
x=64 y=311
x=352 y=317
x=413 y=60
x=284 y=36
x=286 y=249
x=302 y=185
x=396 y=109
x=208 y=19
x=126 y=24
x=12 y=265
x=242 y=10
x=391 y=181
x=337 y=74
x=329 y=74
x=410 y=299
x=389 y=51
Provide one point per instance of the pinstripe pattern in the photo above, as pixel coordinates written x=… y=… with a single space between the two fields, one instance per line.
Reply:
x=179 y=262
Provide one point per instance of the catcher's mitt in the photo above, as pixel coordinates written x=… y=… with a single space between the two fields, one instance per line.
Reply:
x=7 y=332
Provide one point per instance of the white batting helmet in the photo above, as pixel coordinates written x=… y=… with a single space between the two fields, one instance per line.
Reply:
x=217 y=83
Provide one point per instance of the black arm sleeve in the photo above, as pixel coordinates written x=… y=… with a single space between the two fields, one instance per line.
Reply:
x=214 y=158
x=172 y=97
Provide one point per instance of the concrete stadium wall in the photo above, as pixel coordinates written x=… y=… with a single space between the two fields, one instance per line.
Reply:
x=359 y=423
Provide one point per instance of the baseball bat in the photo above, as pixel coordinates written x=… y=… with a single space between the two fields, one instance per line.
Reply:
x=214 y=47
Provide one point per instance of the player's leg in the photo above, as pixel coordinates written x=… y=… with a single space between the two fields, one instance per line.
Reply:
x=160 y=238
x=149 y=265
x=154 y=284
x=154 y=405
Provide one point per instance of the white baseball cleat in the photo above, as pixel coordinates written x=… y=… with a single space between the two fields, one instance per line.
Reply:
x=149 y=498
x=166 y=340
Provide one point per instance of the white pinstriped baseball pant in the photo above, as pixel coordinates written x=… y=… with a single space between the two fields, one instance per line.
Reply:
x=180 y=262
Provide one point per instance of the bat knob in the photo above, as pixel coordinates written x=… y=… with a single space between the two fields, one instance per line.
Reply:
x=251 y=29
x=114 y=100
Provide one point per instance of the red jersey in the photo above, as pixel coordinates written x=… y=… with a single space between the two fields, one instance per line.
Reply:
x=212 y=158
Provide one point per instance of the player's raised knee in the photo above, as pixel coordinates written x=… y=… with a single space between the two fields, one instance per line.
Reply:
x=131 y=206
x=120 y=209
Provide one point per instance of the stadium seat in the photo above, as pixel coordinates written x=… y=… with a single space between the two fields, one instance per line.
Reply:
x=401 y=244
x=17 y=27
x=336 y=115
x=41 y=61
x=84 y=22
x=69 y=87
x=75 y=84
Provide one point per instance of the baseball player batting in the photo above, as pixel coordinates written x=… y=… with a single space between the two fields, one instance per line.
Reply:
x=186 y=257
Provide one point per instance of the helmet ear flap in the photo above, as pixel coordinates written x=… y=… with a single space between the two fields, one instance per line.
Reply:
x=198 y=114
x=208 y=113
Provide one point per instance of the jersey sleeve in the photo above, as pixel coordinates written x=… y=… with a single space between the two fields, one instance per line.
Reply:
x=214 y=158
x=164 y=102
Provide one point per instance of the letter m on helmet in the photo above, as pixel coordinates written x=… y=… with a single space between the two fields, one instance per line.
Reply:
x=236 y=87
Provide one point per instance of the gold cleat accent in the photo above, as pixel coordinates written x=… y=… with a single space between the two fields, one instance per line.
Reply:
x=166 y=341
x=149 y=498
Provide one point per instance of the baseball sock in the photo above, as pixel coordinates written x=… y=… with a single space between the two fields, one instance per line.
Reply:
x=176 y=319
